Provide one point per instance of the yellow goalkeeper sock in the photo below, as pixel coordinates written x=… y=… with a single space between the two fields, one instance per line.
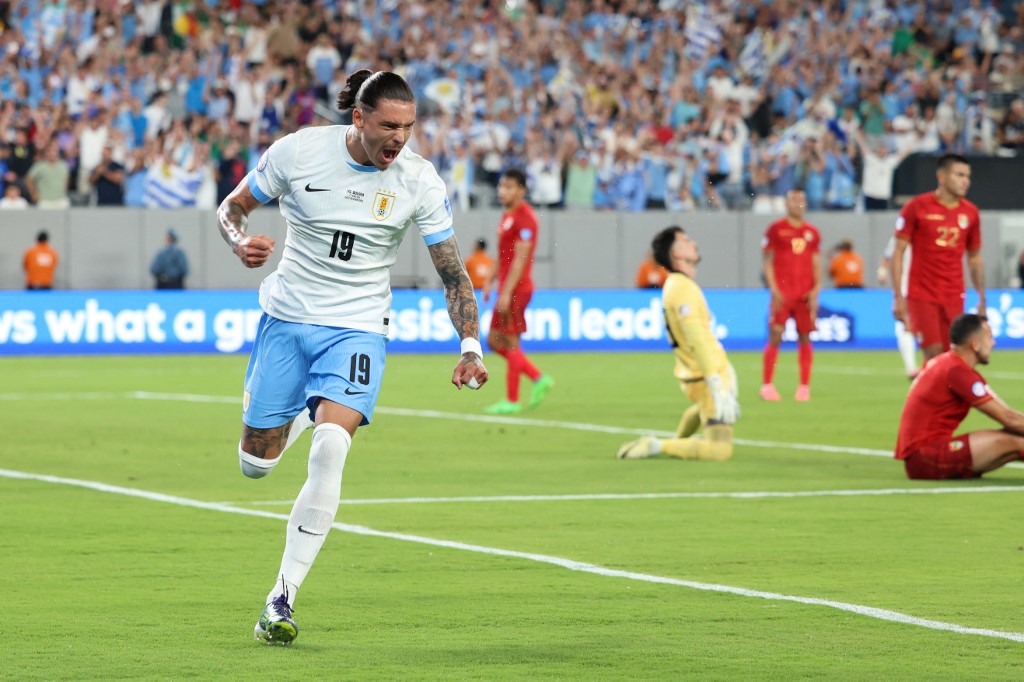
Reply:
x=689 y=423
x=715 y=446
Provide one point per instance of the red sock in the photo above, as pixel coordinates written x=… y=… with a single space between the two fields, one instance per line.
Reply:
x=805 y=354
x=771 y=354
x=512 y=378
x=502 y=352
x=524 y=364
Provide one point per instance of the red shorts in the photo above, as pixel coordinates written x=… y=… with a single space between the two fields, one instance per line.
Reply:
x=930 y=321
x=513 y=322
x=941 y=459
x=798 y=309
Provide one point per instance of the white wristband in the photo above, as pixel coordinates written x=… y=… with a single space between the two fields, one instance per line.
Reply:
x=471 y=345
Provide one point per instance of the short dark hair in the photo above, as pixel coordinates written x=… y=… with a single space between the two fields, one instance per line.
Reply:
x=43 y=236
x=481 y=244
x=366 y=89
x=661 y=246
x=964 y=327
x=948 y=159
x=516 y=175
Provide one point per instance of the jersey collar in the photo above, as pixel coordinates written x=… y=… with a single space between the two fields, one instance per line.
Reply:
x=347 y=157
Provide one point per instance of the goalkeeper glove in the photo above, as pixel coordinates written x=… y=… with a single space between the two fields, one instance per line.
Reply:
x=727 y=408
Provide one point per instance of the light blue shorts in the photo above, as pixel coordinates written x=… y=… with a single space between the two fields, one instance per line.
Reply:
x=294 y=365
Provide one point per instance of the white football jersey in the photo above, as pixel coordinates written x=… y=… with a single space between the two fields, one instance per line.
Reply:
x=345 y=224
x=890 y=249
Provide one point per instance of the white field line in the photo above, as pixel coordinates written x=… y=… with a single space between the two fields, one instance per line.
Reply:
x=189 y=397
x=898 y=371
x=478 y=418
x=742 y=495
x=583 y=567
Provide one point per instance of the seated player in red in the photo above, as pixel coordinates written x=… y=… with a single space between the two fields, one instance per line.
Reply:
x=939 y=399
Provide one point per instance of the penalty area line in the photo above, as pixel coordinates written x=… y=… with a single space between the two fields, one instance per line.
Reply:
x=572 y=565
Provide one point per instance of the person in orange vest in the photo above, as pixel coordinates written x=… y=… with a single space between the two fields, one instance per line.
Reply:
x=846 y=268
x=650 y=275
x=40 y=262
x=479 y=265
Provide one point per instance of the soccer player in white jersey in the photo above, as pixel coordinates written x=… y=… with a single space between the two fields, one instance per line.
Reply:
x=348 y=194
x=904 y=338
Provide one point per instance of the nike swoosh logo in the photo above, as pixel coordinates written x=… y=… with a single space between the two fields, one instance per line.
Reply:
x=349 y=391
x=314 y=189
x=309 y=532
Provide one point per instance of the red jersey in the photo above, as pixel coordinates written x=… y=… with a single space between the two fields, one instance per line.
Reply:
x=938 y=237
x=517 y=225
x=793 y=250
x=939 y=399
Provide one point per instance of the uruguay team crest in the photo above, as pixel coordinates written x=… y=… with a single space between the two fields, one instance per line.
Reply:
x=383 y=204
x=962 y=221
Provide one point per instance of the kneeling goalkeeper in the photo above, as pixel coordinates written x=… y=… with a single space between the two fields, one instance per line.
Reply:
x=703 y=370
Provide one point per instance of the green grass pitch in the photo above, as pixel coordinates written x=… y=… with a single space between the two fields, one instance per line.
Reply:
x=471 y=547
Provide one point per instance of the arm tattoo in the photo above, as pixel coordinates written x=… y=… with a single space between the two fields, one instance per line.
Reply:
x=458 y=289
x=232 y=221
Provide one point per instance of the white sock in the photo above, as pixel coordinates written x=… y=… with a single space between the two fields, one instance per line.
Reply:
x=314 y=508
x=299 y=424
x=254 y=467
x=908 y=348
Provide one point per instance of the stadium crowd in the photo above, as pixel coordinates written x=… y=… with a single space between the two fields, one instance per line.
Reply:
x=623 y=105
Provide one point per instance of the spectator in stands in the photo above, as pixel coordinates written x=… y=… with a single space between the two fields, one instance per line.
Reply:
x=230 y=170
x=654 y=168
x=135 y=178
x=979 y=128
x=810 y=173
x=12 y=198
x=92 y=139
x=21 y=157
x=846 y=267
x=158 y=117
x=544 y=171
x=170 y=265
x=872 y=116
x=610 y=71
x=580 y=181
x=40 y=264
x=842 y=187
x=107 y=179
x=48 y=179
x=879 y=167
x=219 y=102
x=322 y=60
x=1011 y=128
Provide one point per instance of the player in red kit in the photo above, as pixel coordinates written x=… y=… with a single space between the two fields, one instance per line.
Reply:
x=939 y=227
x=939 y=399
x=517 y=240
x=791 y=259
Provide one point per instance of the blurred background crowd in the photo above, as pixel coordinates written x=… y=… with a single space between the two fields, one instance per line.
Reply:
x=630 y=105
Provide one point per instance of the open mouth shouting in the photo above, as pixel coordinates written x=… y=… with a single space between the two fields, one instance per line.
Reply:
x=388 y=155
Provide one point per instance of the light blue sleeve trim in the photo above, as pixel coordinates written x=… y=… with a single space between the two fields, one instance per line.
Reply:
x=260 y=195
x=438 y=237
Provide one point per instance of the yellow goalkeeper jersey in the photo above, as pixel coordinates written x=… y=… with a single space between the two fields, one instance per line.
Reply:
x=688 y=321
